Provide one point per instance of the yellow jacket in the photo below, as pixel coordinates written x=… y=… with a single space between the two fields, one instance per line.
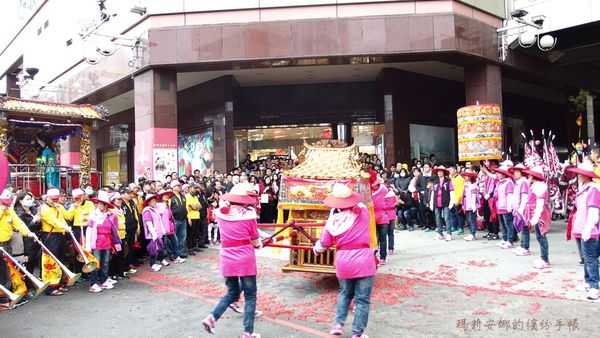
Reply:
x=53 y=219
x=9 y=221
x=192 y=200
x=458 y=183
x=597 y=172
x=80 y=215
x=121 y=228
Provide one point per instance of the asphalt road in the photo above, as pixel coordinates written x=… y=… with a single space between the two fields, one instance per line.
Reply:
x=430 y=289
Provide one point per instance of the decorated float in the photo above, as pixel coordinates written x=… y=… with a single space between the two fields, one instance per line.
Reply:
x=301 y=212
x=30 y=132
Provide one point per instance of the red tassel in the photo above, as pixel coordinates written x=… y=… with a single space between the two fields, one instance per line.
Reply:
x=225 y=210
x=356 y=209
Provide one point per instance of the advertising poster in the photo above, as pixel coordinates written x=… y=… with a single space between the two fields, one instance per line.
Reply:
x=196 y=152
x=165 y=161
x=426 y=140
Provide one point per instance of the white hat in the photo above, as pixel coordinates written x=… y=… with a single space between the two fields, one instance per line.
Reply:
x=115 y=196
x=53 y=194
x=174 y=183
x=6 y=197
x=77 y=193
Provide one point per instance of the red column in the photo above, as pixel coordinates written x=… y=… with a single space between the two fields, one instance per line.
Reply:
x=155 y=123
x=483 y=83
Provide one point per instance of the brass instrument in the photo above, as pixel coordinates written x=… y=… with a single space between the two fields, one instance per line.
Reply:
x=72 y=277
x=89 y=263
x=13 y=297
x=39 y=285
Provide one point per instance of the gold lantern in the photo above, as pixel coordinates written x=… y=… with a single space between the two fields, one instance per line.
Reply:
x=479 y=132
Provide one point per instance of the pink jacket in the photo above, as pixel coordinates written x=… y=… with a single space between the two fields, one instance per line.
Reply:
x=350 y=234
x=587 y=197
x=390 y=205
x=168 y=224
x=381 y=216
x=152 y=222
x=101 y=232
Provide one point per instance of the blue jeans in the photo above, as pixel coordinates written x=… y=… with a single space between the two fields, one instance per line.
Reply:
x=471 y=217
x=406 y=216
x=235 y=285
x=543 y=240
x=359 y=289
x=171 y=245
x=525 y=237
x=181 y=232
x=441 y=217
x=508 y=229
x=100 y=275
x=456 y=218
x=591 y=251
x=382 y=240
x=390 y=235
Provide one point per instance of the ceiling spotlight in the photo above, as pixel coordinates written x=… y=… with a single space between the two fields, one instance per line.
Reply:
x=518 y=14
x=106 y=47
x=538 y=20
x=91 y=56
x=138 y=10
x=547 y=42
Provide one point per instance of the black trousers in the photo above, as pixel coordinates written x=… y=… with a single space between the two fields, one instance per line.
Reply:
x=492 y=227
x=4 y=272
x=56 y=243
x=78 y=232
x=118 y=264
x=193 y=233
x=203 y=241
x=130 y=259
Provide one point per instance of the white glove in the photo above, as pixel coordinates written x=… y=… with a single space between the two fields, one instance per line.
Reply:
x=32 y=235
x=486 y=196
x=260 y=245
x=118 y=247
x=315 y=251
x=534 y=221
x=68 y=228
x=586 y=234
x=154 y=236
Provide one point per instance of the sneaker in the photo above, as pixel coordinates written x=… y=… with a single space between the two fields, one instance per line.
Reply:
x=156 y=267
x=411 y=228
x=507 y=245
x=391 y=252
x=493 y=237
x=360 y=336
x=541 y=264
x=337 y=329
x=95 y=288
x=461 y=231
x=179 y=260
x=581 y=262
x=469 y=238
x=438 y=237
x=107 y=286
x=501 y=244
x=427 y=230
x=487 y=236
x=402 y=228
x=132 y=270
x=383 y=262
x=448 y=237
x=585 y=287
x=258 y=313
x=191 y=252
x=236 y=307
x=165 y=262
x=250 y=335
x=111 y=281
x=523 y=252
x=593 y=294
x=209 y=324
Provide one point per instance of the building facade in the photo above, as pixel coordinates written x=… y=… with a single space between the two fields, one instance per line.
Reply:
x=200 y=84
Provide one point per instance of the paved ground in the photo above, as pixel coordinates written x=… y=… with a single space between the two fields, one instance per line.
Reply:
x=430 y=289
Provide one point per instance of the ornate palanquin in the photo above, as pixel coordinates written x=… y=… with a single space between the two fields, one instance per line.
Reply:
x=25 y=124
x=301 y=196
